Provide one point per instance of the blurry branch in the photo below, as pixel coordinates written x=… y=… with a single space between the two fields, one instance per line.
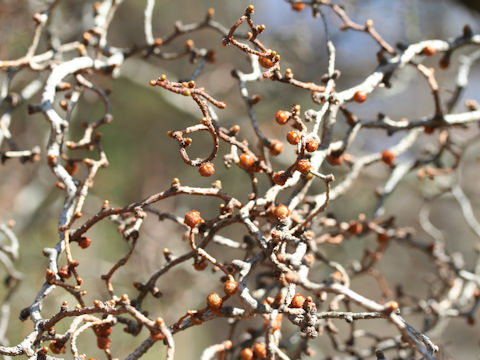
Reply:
x=467 y=210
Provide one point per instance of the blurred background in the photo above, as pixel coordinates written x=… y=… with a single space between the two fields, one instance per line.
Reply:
x=143 y=160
